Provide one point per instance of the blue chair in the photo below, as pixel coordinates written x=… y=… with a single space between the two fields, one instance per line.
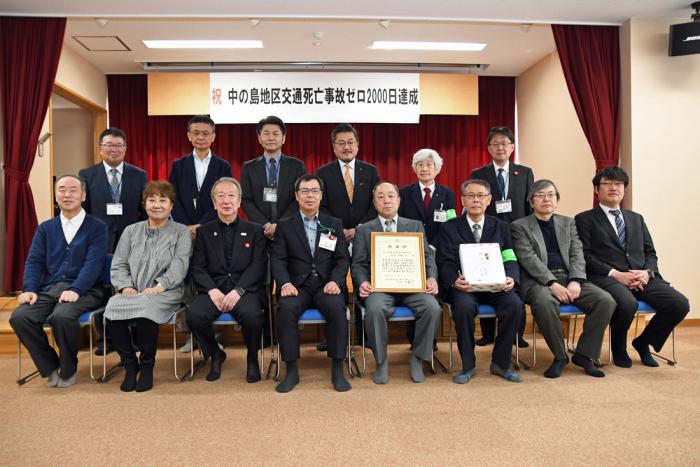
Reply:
x=401 y=313
x=85 y=319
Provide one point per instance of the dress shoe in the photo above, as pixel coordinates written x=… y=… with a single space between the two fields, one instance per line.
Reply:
x=464 y=376
x=484 y=341
x=64 y=383
x=216 y=362
x=508 y=374
x=622 y=359
x=322 y=346
x=52 y=380
x=644 y=353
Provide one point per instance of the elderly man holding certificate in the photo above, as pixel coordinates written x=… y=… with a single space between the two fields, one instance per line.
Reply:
x=388 y=271
x=465 y=287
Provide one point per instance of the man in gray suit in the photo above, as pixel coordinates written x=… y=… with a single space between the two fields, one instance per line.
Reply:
x=553 y=268
x=380 y=306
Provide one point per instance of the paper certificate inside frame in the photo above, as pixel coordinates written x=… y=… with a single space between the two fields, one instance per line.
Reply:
x=482 y=266
x=398 y=264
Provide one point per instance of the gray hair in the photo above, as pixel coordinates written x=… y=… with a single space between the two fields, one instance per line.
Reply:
x=235 y=182
x=425 y=154
x=61 y=177
x=474 y=181
x=541 y=185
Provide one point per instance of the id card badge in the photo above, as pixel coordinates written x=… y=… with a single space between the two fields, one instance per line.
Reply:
x=270 y=195
x=115 y=209
x=503 y=206
x=327 y=241
x=440 y=216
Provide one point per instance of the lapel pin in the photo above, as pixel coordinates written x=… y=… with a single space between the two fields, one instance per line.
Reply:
x=243 y=234
x=515 y=172
x=215 y=234
x=247 y=245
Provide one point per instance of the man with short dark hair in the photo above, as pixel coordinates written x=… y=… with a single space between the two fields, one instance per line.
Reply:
x=62 y=280
x=510 y=184
x=268 y=180
x=309 y=262
x=621 y=259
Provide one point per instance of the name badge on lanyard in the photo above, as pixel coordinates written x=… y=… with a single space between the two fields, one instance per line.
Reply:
x=270 y=195
x=327 y=241
x=503 y=206
x=114 y=209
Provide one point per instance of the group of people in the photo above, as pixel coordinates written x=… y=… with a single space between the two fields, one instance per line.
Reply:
x=308 y=230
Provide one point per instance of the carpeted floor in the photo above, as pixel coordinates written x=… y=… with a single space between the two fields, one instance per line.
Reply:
x=638 y=416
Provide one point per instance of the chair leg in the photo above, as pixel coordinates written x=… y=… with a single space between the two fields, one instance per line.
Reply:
x=104 y=347
x=23 y=379
x=190 y=373
x=107 y=374
x=671 y=361
x=534 y=350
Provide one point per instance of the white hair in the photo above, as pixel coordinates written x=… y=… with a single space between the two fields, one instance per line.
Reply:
x=425 y=154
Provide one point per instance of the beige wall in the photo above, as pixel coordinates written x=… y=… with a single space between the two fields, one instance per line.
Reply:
x=82 y=78
x=72 y=140
x=550 y=138
x=660 y=129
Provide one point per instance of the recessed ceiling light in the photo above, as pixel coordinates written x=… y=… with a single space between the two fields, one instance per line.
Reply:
x=408 y=45
x=203 y=44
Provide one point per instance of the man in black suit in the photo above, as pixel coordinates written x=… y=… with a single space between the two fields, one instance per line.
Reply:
x=228 y=268
x=113 y=191
x=510 y=184
x=621 y=259
x=427 y=201
x=193 y=176
x=309 y=263
x=476 y=227
x=268 y=180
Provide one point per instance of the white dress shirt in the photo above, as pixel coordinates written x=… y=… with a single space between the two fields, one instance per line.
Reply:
x=352 y=169
x=423 y=187
x=108 y=169
x=71 y=226
x=201 y=167
x=505 y=168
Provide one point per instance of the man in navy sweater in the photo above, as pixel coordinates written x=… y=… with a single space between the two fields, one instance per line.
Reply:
x=62 y=280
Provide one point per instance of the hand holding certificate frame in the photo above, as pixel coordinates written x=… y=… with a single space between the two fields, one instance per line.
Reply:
x=398 y=262
x=482 y=266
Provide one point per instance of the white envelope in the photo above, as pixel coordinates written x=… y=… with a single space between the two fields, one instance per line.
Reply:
x=482 y=266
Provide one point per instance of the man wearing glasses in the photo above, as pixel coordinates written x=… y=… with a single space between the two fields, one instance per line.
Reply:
x=510 y=184
x=621 y=259
x=309 y=260
x=553 y=272
x=113 y=194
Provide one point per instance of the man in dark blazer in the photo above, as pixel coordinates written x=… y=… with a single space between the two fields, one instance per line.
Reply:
x=348 y=182
x=510 y=184
x=193 y=176
x=268 y=180
x=380 y=306
x=228 y=268
x=621 y=259
x=440 y=204
x=309 y=262
x=476 y=227
x=553 y=272
x=113 y=190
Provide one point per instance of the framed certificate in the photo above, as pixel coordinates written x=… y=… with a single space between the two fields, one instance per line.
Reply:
x=398 y=262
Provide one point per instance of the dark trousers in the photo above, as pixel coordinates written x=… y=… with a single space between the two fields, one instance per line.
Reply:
x=145 y=334
x=249 y=313
x=488 y=326
x=671 y=307
x=28 y=323
x=465 y=306
x=332 y=307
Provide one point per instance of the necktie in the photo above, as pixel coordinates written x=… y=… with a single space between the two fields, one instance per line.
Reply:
x=620 y=225
x=389 y=225
x=426 y=201
x=477 y=232
x=114 y=185
x=348 y=182
x=502 y=183
x=273 y=172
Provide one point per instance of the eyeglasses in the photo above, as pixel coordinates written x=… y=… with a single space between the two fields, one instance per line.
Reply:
x=306 y=191
x=113 y=146
x=197 y=133
x=473 y=196
x=223 y=196
x=541 y=196
x=341 y=143
x=501 y=144
x=613 y=184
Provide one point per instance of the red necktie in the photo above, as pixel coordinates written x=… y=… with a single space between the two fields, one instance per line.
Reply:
x=426 y=200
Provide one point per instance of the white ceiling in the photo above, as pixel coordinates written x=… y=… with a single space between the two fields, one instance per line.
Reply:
x=348 y=28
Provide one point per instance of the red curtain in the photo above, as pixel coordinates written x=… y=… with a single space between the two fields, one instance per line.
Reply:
x=590 y=58
x=29 y=52
x=155 y=142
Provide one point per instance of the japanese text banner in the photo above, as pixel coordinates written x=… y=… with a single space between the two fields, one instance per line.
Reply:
x=315 y=97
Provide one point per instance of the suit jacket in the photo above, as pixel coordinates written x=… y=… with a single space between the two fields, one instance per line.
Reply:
x=254 y=180
x=601 y=246
x=412 y=207
x=291 y=259
x=98 y=194
x=184 y=179
x=362 y=248
x=248 y=264
x=457 y=231
x=531 y=250
x=335 y=200
x=520 y=180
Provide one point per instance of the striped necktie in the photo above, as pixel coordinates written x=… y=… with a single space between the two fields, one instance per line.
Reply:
x=620 y=226
x=477 y=232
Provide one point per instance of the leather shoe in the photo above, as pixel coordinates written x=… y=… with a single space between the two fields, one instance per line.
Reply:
x=216 y=362
x=484 y=341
